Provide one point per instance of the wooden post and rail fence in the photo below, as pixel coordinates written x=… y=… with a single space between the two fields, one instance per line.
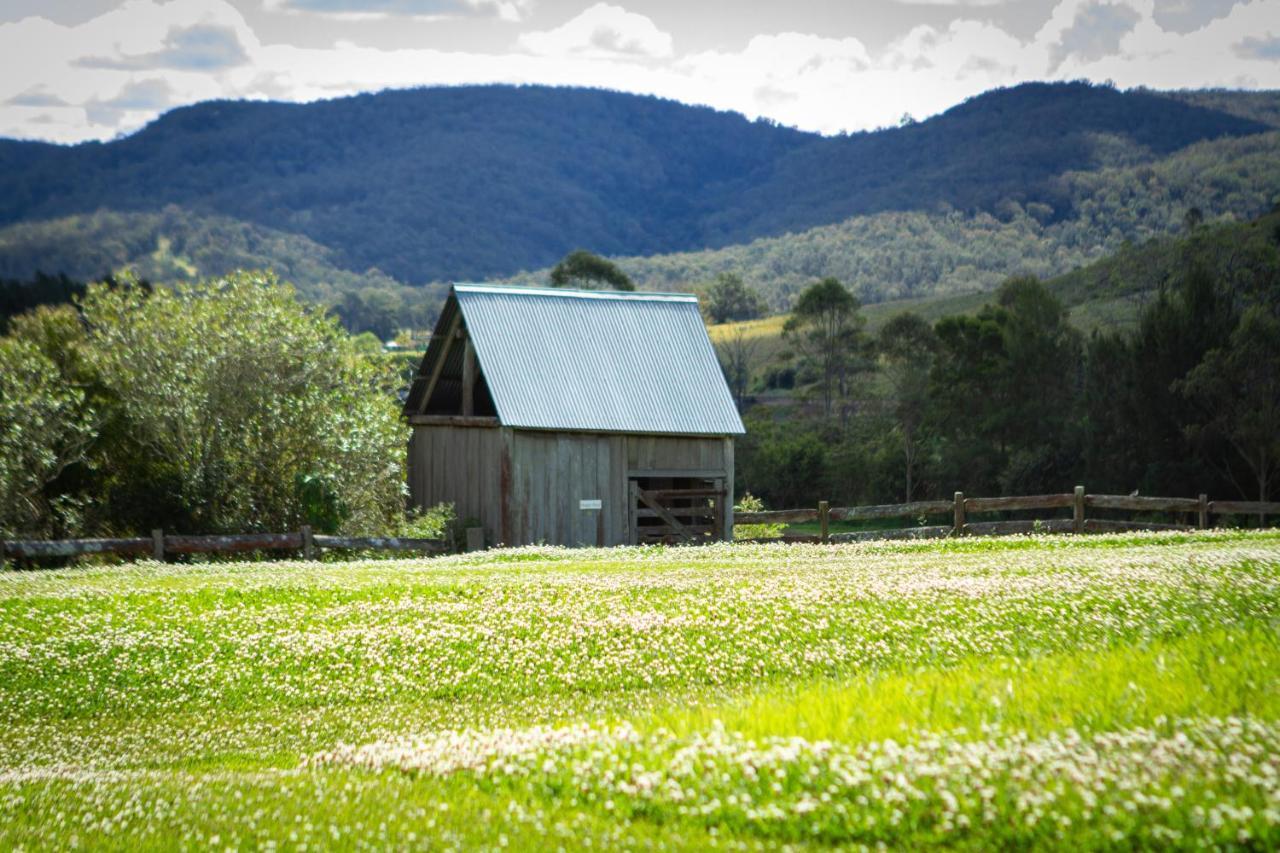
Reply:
x=960 y=508
x=160 y=545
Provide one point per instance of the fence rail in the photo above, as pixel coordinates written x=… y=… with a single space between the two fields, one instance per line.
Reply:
x=159 y=545
x=960 y=507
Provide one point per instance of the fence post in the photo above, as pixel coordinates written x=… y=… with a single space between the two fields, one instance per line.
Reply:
x=1204 y=511
x=824 y=518
x=308 y=544
x=959 y=516
x=157 y=544
x=1077 y=511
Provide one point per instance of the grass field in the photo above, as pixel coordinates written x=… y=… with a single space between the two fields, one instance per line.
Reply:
x=1037 y=692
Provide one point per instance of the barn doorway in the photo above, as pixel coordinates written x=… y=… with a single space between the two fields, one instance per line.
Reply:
x=675 y=510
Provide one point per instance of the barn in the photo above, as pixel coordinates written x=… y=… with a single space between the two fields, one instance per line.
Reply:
x=574 y=417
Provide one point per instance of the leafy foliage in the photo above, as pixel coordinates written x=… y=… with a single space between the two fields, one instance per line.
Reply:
x=221 y=406
x=239 y=398
x=729 y=300
x=581 y=268
x=43 y=429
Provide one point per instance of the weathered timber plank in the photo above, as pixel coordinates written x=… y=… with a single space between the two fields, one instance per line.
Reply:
x=909 y=510
x=776 y=516
x=676 y=527
x=380 y=543
x=232 y=544
x=941 y=531
x=1018 y=502
x=1244 y=507
x=453 y=420
x=33 y=548
x=1102 y=525
x=1009 y=528
x=681 y=511
x=672 y=494
x=1137 y=503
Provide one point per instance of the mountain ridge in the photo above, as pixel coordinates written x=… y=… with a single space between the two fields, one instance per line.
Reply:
x=480 y=182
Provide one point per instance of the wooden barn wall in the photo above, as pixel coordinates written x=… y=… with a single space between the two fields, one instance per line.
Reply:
x=548 y=474
x=461 y=465
x=551 y=472
x=674 y=453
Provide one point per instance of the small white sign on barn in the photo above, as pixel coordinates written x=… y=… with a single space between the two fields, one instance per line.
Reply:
x=592 y=503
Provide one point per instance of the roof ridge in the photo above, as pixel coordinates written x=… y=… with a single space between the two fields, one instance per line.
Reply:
x=526 y=290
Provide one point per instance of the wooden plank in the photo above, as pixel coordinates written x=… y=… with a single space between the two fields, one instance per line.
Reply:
x=1135 y=503
x=619 y=525
x=692 y=473
x=1244 y=507
x=676 y=527
x=1077 y=510
x=1011 y=528
x=381 y=543
x=957 y=512
x=632 y=498
x=36 y=548
x=907 y=510
x=824 y=520
x=1202 y=516
x=934 y=532
x=479 y=421
x=232 y=544
x=673 y=494
x=439 y=365
x=729 y=498
x=776 y=516
x=681 y=512
x=1102 y=525
x=1018 y=502
x=468 y=378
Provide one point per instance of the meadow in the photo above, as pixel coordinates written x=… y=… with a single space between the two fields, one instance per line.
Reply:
x=1097 y=692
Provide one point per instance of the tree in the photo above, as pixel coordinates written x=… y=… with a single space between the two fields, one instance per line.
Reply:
x=581 y=268
x=1237 y=390
x=825 y=327
x=43 y=429
x=729 y=299
x=737 y=358
x=906 y=347
x=238 y=400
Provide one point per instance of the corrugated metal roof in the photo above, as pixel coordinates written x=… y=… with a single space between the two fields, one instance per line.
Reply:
x=604 y=361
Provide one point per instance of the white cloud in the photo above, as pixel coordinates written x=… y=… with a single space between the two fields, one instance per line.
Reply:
x=601 y=32
x=104 y=76
x=355 y=10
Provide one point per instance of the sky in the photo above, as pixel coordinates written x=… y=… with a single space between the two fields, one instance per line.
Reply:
x=75 y=70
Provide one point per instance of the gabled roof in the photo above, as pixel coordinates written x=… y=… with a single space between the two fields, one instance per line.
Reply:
x=606 y=361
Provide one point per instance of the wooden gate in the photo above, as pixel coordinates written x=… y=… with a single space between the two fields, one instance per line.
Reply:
x=677 y=516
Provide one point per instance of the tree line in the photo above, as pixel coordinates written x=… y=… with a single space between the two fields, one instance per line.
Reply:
x=1013 y=399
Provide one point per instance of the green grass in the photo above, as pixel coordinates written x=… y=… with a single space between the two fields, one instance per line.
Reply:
x=1101 y=691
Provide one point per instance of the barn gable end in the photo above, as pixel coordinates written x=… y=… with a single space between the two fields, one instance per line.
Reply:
x=574 y=417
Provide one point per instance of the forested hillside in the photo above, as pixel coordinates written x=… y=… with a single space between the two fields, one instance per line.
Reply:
x=924 y=254
x=472 y=182
x=174 y=245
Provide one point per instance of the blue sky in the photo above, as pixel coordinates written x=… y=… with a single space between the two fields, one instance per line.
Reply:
x=73 y=70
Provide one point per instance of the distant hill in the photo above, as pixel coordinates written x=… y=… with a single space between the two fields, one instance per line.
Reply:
x=174 y=246
x=476 y=182
x=922 y=254
x=1105 y=295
